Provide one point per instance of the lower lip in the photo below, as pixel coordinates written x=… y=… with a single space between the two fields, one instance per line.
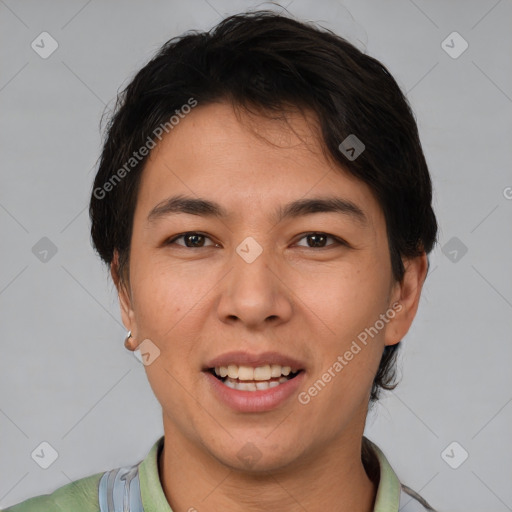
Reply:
x=254 y=401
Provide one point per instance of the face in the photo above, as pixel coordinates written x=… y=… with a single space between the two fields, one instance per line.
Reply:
x=247 y=282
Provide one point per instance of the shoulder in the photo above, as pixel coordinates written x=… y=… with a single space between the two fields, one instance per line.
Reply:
x=120 y=488
x=78 y=496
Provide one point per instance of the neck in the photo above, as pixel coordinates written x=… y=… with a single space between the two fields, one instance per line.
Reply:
x=334 y=478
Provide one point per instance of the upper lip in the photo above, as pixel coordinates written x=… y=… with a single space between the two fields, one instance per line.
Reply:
x=247 y=359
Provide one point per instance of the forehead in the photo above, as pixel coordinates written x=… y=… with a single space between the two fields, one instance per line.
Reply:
x=247 y=162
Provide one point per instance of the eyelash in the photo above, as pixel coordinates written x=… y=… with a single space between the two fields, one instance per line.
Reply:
x=338 y=241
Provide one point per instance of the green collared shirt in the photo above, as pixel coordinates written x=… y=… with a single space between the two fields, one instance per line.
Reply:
x=106 y=492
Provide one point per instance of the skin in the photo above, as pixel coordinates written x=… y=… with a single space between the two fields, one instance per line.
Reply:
x=197 y=302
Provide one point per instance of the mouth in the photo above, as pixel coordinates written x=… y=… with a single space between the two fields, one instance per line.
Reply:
x=260 y=378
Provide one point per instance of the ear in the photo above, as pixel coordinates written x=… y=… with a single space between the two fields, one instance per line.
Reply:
x=406 y=297
x=125 y=302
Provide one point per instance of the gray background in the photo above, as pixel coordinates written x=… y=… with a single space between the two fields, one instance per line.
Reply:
x=65 y=376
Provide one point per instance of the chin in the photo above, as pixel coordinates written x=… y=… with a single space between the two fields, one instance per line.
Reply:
x=257 y=456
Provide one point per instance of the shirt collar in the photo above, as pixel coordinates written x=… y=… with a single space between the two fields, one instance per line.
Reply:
x=388 y=490
x=152 y=494
x=154 y=500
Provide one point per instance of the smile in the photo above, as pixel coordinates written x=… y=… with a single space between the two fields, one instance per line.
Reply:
x=247 y=378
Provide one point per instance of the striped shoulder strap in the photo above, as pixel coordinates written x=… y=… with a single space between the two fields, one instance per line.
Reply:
x=119 y=490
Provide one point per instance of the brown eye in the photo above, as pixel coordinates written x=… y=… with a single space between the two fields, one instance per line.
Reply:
x=318 y=240
x=192 y=240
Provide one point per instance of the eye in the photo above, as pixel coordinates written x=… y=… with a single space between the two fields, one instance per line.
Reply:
x=196 y=240
x=318 y=240
x=192 y=239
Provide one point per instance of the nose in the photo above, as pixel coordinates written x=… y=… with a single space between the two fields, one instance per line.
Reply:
x=255 y=293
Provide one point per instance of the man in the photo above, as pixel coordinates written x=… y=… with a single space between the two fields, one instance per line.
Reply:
x=264 y=206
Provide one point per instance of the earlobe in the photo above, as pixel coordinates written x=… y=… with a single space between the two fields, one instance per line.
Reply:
x=129 y=342
x=127 y=314
x=407 y=293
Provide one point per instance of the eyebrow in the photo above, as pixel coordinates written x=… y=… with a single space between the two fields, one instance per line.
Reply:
x=301 y=207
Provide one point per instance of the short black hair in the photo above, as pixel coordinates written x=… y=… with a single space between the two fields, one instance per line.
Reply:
x=273 y=62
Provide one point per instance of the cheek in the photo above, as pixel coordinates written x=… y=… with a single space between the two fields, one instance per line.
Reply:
x=349 y=299
x=169 y=304
x=160 y=295
x=165 y=308
x=350 y=302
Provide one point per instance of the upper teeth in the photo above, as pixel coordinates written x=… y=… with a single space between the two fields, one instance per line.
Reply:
x=249 y=373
